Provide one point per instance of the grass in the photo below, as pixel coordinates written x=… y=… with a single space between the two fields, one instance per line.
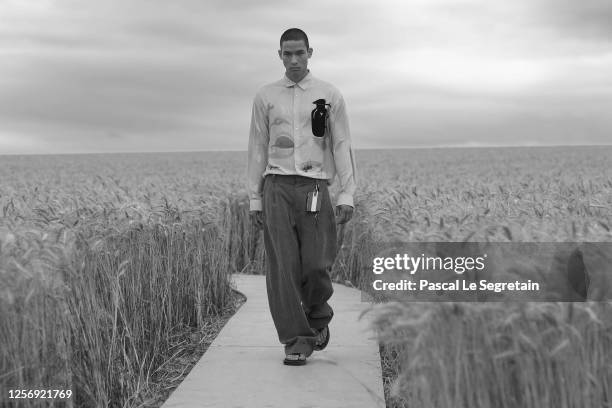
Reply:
x=107 y=260
x=527 y=355
x=100 y=277
x=101 y=318
x=185 y=351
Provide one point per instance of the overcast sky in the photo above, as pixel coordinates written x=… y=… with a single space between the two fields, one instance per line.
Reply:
x=144 y=75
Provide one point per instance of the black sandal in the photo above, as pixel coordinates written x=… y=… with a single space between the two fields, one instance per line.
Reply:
x=295 y=359
x=322 y=342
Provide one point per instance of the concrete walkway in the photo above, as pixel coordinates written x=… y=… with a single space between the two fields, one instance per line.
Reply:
x=243 y=367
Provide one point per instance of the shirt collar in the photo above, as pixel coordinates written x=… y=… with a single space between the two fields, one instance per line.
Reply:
x=304 y=83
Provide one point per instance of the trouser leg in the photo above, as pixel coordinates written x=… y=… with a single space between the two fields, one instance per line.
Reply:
x=283 y=272
x=318 y=250
x=300 y=251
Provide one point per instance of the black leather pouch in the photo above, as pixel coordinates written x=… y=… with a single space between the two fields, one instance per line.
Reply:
x=318 y=117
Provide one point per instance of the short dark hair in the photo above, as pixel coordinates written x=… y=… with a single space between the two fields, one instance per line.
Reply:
x=294 y=34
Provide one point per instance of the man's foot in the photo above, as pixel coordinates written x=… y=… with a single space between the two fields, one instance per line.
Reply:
x=295 y=359
x=322 y=339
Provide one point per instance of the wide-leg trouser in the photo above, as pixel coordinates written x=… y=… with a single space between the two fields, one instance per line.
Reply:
x=300 y=250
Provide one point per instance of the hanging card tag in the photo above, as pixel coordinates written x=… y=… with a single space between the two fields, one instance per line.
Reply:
x=313 y=202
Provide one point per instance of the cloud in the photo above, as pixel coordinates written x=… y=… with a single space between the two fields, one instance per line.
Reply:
x=589 y=19
x=181 y=75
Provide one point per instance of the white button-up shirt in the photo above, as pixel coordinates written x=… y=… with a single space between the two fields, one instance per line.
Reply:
x=281 y=139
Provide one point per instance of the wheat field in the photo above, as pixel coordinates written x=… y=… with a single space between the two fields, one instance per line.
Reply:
x=103 y=257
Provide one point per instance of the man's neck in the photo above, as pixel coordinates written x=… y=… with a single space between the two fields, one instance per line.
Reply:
x=303 y=76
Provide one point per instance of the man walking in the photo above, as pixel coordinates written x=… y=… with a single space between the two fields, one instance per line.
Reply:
x=299 y=140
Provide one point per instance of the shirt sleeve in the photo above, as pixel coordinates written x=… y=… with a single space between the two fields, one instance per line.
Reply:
x=343 y=153
x=258 y=152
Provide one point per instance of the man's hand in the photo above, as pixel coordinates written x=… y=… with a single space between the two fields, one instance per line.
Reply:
x=256 y=218
x=344 y=213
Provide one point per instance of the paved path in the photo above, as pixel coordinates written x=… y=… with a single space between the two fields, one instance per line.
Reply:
x=243 y=367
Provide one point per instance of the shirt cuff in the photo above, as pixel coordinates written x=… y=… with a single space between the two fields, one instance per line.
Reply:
x=255 y=205
x=345 y=199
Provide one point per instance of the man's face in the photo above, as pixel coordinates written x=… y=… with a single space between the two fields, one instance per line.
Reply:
x=295 y=57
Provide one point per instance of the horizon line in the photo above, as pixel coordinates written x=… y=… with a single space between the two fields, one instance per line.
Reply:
x=354 y=148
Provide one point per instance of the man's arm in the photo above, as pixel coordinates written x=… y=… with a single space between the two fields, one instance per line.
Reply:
x=258 y=152
x=343 y=154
